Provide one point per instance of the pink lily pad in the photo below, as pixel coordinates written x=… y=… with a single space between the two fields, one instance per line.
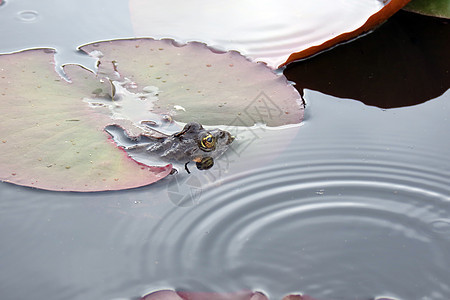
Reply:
x=199 y=84
x=50 y=138
x=53 y=131
x=172 y=295
x=298 y=297
x=243 y=295
x=267 y=31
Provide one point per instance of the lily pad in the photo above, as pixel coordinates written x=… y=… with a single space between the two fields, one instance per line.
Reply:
x=182 y=295
x=179 y=295
x=298 y=297
x=53 y=131
x=52 y=140
x=199 y=84
x=267 y=31
x=435 y=8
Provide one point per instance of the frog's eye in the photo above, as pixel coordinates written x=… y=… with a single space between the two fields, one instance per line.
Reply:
x=207 y=142
x=205 y=163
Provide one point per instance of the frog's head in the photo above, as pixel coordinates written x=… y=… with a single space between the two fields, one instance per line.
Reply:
x=216 y=141
x=213 y=143
x=207 y=144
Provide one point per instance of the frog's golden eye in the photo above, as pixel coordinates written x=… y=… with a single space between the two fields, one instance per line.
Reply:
x=205 y=163
x=207 y=142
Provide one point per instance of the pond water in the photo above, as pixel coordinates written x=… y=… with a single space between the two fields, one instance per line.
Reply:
x=352 y=204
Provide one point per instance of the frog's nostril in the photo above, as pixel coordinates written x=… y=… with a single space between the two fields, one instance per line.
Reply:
x=230 y=139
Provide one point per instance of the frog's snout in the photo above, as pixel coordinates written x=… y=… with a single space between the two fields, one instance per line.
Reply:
x=230 y=138
x=225 y=137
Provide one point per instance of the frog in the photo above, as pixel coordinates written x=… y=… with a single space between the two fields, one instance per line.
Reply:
x=192 y=144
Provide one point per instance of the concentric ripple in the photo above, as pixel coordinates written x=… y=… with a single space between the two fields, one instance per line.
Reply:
x=365 y=217
x=28 y=16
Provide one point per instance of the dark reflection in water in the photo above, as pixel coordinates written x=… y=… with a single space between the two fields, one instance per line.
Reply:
x=404 y=62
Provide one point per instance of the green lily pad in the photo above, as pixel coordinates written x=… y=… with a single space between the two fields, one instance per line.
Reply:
x=196 y=83
x=50 y=138
x=435 y=8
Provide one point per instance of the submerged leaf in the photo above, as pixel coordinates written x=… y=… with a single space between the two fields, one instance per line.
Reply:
x=244 y=295
x=179 y=295
x=297 y=297
x=435 y=8
x=198 y=84
x=267 y=31
x=51 y=139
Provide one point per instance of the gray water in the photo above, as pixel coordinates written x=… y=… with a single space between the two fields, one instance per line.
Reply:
x=352 y=204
